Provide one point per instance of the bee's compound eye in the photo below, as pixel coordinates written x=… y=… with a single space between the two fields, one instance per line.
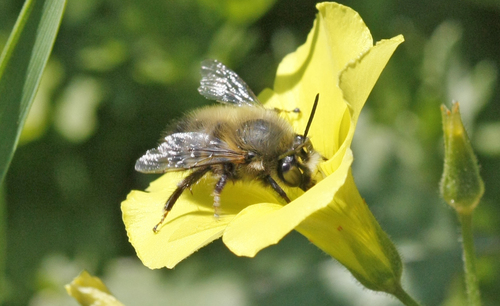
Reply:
x=289 y=171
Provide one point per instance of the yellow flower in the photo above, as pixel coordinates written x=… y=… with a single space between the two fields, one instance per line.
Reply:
x=89 y=290
x=340 y=62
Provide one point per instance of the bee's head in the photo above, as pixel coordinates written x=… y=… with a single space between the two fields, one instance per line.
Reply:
x=297 y=166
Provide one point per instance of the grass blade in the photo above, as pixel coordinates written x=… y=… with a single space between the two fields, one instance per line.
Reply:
x=22 y=62
x=21 y=66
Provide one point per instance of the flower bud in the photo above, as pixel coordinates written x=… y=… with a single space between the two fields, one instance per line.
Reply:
x=461 y=184
x=89 y=290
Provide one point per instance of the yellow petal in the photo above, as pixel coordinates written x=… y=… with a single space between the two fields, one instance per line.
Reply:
x=191 y=223
x=261 y=225
x=359 y=77
x=143 y=210
x=347 y=230
x=356 y=82
x=338 y=36
x=91 y=291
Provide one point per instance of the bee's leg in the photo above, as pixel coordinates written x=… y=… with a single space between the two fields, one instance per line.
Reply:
x=187 y=182
x=217 y=190
x=279 y=110
x=269 y=180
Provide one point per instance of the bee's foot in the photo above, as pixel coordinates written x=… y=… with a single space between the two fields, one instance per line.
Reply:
x=216 y=212
x=156 y=227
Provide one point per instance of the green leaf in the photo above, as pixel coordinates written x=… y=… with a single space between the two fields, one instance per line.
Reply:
x=21 y=66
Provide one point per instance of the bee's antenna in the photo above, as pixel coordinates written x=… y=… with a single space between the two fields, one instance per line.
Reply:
x=312 y=115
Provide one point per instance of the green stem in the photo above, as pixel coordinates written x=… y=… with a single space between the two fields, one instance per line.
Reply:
x=404 y=297
x=469 y=257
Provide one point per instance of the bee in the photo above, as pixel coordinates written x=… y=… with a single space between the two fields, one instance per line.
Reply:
x=238 y=140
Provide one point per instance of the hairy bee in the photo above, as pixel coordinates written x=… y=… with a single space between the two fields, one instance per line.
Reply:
x=240 y=140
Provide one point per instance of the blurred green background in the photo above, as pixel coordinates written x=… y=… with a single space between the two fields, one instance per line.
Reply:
x=121 y=70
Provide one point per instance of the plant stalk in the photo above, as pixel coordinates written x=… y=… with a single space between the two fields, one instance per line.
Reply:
x=469 y=257
x=404 y=297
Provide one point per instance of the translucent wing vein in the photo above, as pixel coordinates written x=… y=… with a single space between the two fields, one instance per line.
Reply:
x=182 y=151
x=223 y=85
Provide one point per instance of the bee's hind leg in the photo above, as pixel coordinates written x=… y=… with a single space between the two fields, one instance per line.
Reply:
x=217 y=191
x=187 y=182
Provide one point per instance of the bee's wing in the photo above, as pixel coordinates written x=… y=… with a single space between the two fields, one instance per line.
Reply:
x=223 y=85
x=181 y=151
